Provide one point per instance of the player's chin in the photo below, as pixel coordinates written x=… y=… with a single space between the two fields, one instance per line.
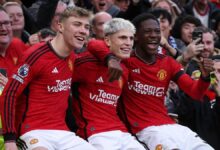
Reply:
x=78 y=45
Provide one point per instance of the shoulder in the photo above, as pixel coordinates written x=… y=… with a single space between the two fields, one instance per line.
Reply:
x=84 y=57
x=36 y=51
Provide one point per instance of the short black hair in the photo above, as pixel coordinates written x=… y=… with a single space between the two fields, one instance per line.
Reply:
x=141 y=18
x=159 y=12
x=176 y=31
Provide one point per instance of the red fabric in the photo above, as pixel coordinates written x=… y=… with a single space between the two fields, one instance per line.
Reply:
x=49 y=89
x=144 y=93
x=13 y=54
x=95 y=110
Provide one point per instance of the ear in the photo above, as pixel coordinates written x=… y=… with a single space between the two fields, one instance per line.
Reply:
x=107 y=41
x=60 y=28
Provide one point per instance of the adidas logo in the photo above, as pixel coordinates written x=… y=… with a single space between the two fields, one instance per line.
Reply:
x=55 y=70
x=136 y=70
x=100 y=80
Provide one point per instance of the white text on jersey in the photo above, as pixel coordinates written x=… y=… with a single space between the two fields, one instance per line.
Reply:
x=104 y=97
x=62 y=85
x=146 y=89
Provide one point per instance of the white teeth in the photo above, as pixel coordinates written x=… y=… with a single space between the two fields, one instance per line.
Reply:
x=80 y=38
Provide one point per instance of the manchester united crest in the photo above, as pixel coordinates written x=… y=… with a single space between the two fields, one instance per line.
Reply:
x=33 y=141
x=159 y=147
x=162 y=74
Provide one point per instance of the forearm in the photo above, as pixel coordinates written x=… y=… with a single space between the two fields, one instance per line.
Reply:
x=99 y=49
x=195 y=89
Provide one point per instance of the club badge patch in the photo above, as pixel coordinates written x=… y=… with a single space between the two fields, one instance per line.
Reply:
x=159 y=147
x=33 y=141
x=23 y=70
x=162 y=74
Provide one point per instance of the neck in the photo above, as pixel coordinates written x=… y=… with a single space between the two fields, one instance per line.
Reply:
x=2 y=51
x=143 y=56
x=200 y=7
x=60 y=47
x=17 y=33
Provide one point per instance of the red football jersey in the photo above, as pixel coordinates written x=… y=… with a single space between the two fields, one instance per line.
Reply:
x=96 y=101
x=144 y=94
x=46 y=78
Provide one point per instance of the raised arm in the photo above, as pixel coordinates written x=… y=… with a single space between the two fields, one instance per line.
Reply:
x=100 y=50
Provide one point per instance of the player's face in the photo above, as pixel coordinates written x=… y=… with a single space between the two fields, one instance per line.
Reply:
x=186 y=32
x=102 y=5
x=16 y=15
x=148 y=36
x=121 y=43
x=5 y=28
x=75 y=31
x=208 y=41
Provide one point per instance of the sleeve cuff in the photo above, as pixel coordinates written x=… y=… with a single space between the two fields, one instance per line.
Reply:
x=206 y=79
x=9 y=137
x=108 y=57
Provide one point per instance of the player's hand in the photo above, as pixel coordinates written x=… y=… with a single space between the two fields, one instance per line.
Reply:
x=206 y=66
x=114 y=69
x=3 y=80
x=10 y=146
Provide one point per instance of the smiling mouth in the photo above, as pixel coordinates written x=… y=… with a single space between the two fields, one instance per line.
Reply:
x=101 y=4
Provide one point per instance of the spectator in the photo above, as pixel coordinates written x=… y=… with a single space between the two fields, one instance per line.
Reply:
x=16 y=14
x=61 y=6
x=47 y=68
x=202 y=116
x=201 y=9
x=183 y=28
x=11 y=50
x=144 y=93
x=119 y=36
x=216 y=2
x=97 y=24
x=168 y=43
x=109 y=7
x=168 y=5
x=122 y=4
x=105 y=5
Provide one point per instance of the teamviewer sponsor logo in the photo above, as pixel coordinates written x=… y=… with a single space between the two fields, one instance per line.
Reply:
x=62 y=85
x=104 y=97
x=145 y=89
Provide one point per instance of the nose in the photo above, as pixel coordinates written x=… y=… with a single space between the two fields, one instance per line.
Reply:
x=129 y=41
x=84 y=30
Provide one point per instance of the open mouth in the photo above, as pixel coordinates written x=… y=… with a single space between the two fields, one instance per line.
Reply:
x=101 y=4
x=125 y=50
x=3 y=34
x=80 y=38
